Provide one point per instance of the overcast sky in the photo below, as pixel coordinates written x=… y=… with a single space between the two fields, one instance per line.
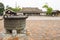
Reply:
x=55 y=4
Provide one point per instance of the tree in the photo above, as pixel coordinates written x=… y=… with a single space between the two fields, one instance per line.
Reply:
x=49 y=9
x=16 y=9
x=1 y=8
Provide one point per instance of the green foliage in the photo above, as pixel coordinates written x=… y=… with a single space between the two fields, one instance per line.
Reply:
x=1 y=8
x=16 y=9
x=49 y=9
x=45 y=6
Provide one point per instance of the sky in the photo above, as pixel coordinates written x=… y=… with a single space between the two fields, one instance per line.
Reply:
x=55 y=4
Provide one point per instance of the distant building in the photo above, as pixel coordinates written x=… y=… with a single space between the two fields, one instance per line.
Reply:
x=56 y=12
x=43 y=13
x=30 y=11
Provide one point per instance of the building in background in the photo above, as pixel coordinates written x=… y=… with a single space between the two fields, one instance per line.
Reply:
x=30 y=11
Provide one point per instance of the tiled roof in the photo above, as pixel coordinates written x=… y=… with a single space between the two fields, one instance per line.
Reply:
x=30 y=10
